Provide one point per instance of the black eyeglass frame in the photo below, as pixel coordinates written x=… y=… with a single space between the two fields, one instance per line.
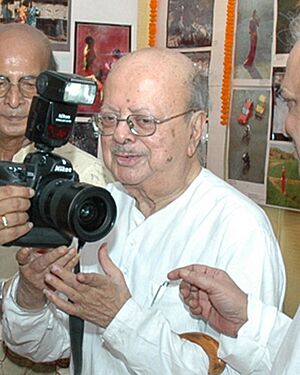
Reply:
x=130 y=123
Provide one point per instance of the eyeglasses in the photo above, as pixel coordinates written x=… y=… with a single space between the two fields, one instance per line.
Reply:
x=26 y=86
x=139 y=125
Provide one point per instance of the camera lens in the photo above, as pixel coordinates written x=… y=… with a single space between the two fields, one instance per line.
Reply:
x=82 y=210
x=91 y=213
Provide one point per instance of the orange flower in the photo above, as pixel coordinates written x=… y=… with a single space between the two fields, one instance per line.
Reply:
x=152 y=22
x=228 y=45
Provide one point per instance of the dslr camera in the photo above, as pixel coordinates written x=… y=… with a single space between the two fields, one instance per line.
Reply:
x=63 y=207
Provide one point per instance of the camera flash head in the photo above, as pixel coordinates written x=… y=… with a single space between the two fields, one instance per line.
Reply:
x=66 y=88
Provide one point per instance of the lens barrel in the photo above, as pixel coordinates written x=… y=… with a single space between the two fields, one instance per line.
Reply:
x=79 y=209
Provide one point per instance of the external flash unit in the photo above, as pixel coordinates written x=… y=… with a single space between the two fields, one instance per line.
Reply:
x=67 y=88
x=53 y=110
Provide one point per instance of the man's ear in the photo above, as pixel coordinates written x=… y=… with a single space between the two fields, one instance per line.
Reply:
x=197 y=122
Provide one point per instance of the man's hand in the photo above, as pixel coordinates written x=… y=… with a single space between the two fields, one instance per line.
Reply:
x=212 y=295
x=91 y=296
x=14 y=202
x=34 y=264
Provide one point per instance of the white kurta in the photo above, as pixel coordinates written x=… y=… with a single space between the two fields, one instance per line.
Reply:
x=210 y=223
x=268 y=344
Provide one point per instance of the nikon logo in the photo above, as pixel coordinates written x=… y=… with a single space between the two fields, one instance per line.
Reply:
x=61 y=168
x=62 y=117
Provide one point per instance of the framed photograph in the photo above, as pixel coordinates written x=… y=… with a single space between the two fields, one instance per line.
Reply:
x=97 y=48
x=283 y=183
x=287 y=26
x=50 y=16
x=248 y=135
x=189 y=23
x=254 y=30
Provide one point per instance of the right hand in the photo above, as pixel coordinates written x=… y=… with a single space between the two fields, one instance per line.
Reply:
x=212 y=295
x=14 y=204
x=34 y=264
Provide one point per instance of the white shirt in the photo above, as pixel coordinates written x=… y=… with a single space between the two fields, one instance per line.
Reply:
x=268 y=343
x=210 y=223
x=90 y=169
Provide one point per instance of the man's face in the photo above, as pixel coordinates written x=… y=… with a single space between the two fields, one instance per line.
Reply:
x=14 y=107
x=290 y=90
x=156 y=161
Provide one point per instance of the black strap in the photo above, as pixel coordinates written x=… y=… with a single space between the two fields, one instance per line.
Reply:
x=76 y=328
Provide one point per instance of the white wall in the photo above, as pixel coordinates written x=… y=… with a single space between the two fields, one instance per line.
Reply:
x=102 y=11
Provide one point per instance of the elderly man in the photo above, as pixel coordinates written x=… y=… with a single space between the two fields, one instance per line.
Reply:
x=268 y=342
x=171 y=212
x=24 y=53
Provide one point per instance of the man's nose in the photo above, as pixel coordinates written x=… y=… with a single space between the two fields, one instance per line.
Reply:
x=122 y=133
x=14 y=97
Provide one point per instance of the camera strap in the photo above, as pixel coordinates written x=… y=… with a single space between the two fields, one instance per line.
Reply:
x=76 y=328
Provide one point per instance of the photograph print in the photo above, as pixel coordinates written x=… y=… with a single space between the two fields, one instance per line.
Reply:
x=50 y=16
x=190 y=23
x=254 y=30
x=287 y=26
x=248 y=135
x=97 y=48
x=283 y=182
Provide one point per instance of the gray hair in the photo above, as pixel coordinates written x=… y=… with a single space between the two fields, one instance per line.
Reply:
x=198 y=87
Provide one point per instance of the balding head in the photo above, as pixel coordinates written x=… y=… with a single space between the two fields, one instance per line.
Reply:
x=28 y=41
x=24 y=53
x=294 y=59
x=170 y=67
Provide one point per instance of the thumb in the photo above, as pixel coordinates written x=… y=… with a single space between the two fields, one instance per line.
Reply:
x=23 y=256
x=109 y=268
x=202 y=281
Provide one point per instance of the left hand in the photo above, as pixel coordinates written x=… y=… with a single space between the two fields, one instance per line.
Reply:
x=91 y=296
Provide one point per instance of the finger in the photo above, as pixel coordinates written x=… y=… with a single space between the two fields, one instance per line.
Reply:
x=175 y=274
x=16 y=218
x=108 y=266
x=43 y=261
x=10 y=205
x=184 y=289
x=72 y=262
x=91 y=279
x=63 y=281
x=199 y=279
x=69 y=260
x=64 y=305
x=11 y=234
x=13 y=191
x=23 y=255
x=59 y=270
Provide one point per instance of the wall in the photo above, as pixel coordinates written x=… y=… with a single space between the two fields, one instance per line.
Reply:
x=112 y=11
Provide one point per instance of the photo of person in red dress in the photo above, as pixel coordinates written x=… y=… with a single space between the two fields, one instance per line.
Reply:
x=253 y=25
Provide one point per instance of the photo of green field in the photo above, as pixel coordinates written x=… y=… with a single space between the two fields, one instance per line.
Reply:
x=283 y=180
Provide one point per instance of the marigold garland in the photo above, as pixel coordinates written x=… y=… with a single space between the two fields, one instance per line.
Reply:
x=228 y=46
x=153 y=22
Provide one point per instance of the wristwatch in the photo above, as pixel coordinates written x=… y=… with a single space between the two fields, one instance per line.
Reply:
x=2 y=283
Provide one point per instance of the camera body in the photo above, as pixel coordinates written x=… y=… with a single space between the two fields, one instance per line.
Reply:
x=62 y=207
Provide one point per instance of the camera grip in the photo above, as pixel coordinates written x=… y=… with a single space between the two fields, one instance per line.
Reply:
x=42 y=237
